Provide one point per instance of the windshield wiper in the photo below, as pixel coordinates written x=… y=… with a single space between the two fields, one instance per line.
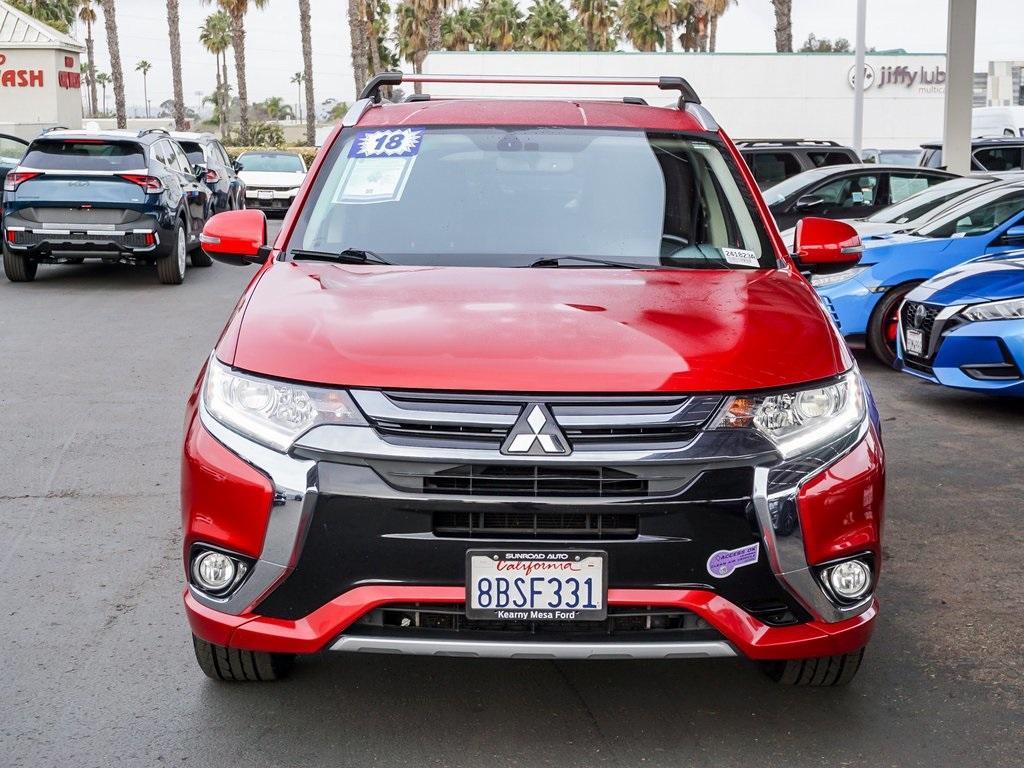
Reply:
x=348 y=255
x=556 y=261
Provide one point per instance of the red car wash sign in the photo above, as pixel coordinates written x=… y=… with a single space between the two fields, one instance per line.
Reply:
x=13 y=77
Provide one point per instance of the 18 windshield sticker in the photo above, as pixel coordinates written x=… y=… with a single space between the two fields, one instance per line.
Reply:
x=380 y=163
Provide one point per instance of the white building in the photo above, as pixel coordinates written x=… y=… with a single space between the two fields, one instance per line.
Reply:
x=40 y=83
x=797 y=95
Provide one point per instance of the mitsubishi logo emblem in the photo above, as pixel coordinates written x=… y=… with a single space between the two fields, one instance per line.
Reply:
x=536 y=433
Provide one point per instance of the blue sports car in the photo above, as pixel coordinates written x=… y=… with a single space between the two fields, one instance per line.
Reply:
x=865 y=299
x=965 y=327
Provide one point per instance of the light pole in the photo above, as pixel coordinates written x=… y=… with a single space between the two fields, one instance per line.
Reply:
x=858 y=78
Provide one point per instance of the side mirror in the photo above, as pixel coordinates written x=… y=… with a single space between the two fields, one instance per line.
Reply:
x=237 y=166
x=199 y=171
x=236 y=237
x=825 y=245
x=1014 y=234
x=807 y=202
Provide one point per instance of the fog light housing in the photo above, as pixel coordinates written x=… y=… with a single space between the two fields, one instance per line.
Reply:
x=216 y=572
x=849 y=580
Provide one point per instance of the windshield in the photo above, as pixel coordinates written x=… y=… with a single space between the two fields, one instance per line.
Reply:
x=899 y=156
x=784 y=189
x=979 y=215
x=510 y=196
x=926 y=200
x=273 y=162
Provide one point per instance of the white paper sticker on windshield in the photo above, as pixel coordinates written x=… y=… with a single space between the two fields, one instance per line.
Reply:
x=376 y=180
x=740 y=257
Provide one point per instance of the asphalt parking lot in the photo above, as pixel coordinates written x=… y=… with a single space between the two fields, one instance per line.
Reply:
x=97 y=664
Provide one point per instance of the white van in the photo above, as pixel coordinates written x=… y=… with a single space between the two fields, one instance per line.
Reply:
x=997 y=121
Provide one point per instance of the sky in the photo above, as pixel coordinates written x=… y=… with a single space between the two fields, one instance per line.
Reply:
x=274 y=51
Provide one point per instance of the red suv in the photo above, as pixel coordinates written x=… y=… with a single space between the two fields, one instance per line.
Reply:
x=531 y=379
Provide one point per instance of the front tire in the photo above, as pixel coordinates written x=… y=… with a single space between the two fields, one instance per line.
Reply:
x=233 y=665
x=823 y=672
x=19 y=268
x=882 y=326
x=171 y=268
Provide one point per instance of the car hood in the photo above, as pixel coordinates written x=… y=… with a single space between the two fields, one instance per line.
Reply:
x=533 y=330
x=989 y=278
x=271 y=178
x=881 y=247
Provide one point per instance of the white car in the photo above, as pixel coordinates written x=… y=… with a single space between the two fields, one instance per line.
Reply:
x=272 y=179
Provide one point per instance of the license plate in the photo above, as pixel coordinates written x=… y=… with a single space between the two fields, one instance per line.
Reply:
x=265 y=194
x=523 y=585
x=915 y=342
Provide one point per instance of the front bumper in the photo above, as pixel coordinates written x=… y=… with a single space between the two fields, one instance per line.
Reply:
x=269 y=199
x=330 y=542
x=983 y=357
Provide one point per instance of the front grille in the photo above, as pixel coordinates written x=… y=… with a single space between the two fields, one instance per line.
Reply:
x=606 y=422
x=419 y=620
x=550 y=480
x=536 y=525
x=926 y=326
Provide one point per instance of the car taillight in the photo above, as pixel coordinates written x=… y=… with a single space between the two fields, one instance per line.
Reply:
x=212 y=176
x=151 y=184
x=14 y=178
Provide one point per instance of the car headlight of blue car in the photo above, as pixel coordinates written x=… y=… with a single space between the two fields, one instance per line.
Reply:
x=1009 y=309
x=820 y=281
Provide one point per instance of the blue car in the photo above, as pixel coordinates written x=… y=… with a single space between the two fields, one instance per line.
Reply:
x=965 y=327
x=865 y=299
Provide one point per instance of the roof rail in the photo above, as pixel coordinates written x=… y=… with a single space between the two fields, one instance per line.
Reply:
x=687 y=95
x=787 y=142
x=144 y=131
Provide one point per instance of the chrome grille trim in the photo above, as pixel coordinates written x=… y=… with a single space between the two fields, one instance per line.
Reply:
x=610 y=420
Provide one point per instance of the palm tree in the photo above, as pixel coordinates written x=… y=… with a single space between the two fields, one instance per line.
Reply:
x=783 y=25
x=276 y=108
x=174 y=30
x=502 y=25
x=87 y=15
x=358 y=33
x=236 y=10
x=666 y=16
x=597 y=18
x=114 y=49
x=548 y=27
x=411 y=35
x=305 y=25
x=103 y=79
x=460 y=29
x=144 y=67
x=59 y=14
x=435 y=13
x=215 y=35
x=715 y=9
x=640 y=25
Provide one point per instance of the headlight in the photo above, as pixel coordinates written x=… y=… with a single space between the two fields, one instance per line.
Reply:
x=273 y=413
x=819 y=281
x=1011 y=309
x=801 y=420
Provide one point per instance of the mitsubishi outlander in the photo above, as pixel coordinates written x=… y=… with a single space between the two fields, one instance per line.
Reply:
x=531 y=379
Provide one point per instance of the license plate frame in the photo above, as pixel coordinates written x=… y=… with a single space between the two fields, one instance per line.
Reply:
x=914 y=341
x=584 y=558
x=264 y=194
